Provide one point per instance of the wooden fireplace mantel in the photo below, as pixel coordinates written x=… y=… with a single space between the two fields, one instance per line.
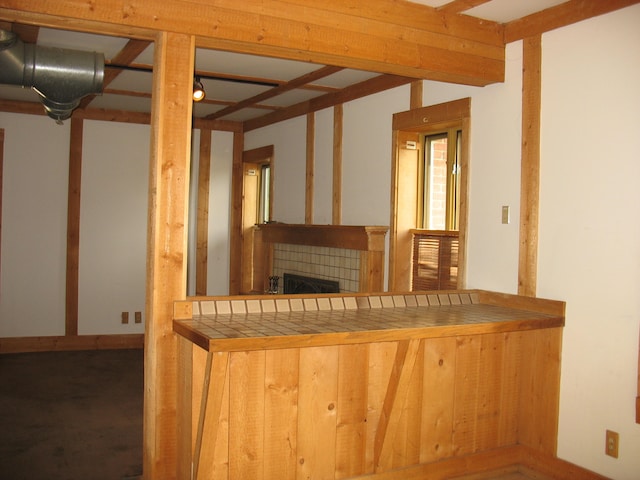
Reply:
x=356 y=237
x=369 y=240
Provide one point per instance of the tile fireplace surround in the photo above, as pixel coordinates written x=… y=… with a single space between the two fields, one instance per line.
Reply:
x=352 y=255
x=339 y=264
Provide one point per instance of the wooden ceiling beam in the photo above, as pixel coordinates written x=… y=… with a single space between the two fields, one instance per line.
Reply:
x=128 y=54
x=353 y=92
x=26 y=33
x=398 y=38
x=279 y=90
x=561 y=15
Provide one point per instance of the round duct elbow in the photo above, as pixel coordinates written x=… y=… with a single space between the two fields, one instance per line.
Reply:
x=61 y=77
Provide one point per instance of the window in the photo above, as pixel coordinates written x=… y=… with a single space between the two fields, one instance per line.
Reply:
x=264 y=193
x=439 y=191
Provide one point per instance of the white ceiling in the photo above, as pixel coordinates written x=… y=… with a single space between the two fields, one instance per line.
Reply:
x=501 y=11
x=131 y=90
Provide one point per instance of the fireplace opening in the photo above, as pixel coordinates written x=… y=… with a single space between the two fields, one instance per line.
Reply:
x=301 y=284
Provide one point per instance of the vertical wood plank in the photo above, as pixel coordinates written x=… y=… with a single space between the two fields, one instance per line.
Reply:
x=202 y=224
x=467 y=380
x=404 y=210
x=73 y=227
x=318 y=400
x=540 y=389
x=167 y=245
x=351 y=434
x=220 y=468
x=184 y=407
x=510 y=388
x=530 y=165
x=337 y=164
x=310 y=171
x=281 y=414
x=438 y=396
x=394 y=400
x=246 y=414
x=489 y=388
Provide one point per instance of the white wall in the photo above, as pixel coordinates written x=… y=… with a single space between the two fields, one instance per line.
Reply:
x=113 y=227
x=323 y=168
x=34 y=226
x=494 y=177
x=290 y=159
x=366 y=156
x=219 y=208
x=589 y=231
x=219 y=213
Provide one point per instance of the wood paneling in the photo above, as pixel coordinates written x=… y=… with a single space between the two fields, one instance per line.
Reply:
x=380 y=407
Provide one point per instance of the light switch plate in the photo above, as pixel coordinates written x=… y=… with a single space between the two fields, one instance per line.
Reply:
x=505 y=214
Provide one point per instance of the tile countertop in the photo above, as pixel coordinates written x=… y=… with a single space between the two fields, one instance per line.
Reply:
x=278 y=321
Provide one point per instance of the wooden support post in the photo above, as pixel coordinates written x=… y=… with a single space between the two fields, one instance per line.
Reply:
x=310 y=170
x=73 y=227
x=202 y=234
x=530 y=166
x=167 y=246
x=337 y=165
x=236 y=234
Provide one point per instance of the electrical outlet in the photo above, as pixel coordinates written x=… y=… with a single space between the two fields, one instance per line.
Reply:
x=138 y=317
x=125 y=317
x=613 y=440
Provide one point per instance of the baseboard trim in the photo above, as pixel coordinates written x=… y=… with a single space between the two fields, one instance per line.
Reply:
x=71 y=342
x=483 y=465
x=555 y=467
x=452 y=467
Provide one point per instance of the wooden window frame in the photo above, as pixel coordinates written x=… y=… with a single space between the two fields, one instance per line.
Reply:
x=404 y=183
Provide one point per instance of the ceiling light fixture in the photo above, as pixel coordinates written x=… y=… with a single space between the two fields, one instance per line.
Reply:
x=198 y=90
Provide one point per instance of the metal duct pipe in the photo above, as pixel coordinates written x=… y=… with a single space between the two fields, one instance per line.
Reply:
x=60 y=76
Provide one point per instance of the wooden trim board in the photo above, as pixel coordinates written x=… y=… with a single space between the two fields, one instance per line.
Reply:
x=64 y=343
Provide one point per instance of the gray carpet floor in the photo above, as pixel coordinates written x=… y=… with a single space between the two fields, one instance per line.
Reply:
x=71 y=415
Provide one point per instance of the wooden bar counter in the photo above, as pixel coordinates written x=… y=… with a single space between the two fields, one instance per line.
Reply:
x=421 y=385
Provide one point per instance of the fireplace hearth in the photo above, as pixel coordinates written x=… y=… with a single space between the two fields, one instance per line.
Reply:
x=302 y=284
